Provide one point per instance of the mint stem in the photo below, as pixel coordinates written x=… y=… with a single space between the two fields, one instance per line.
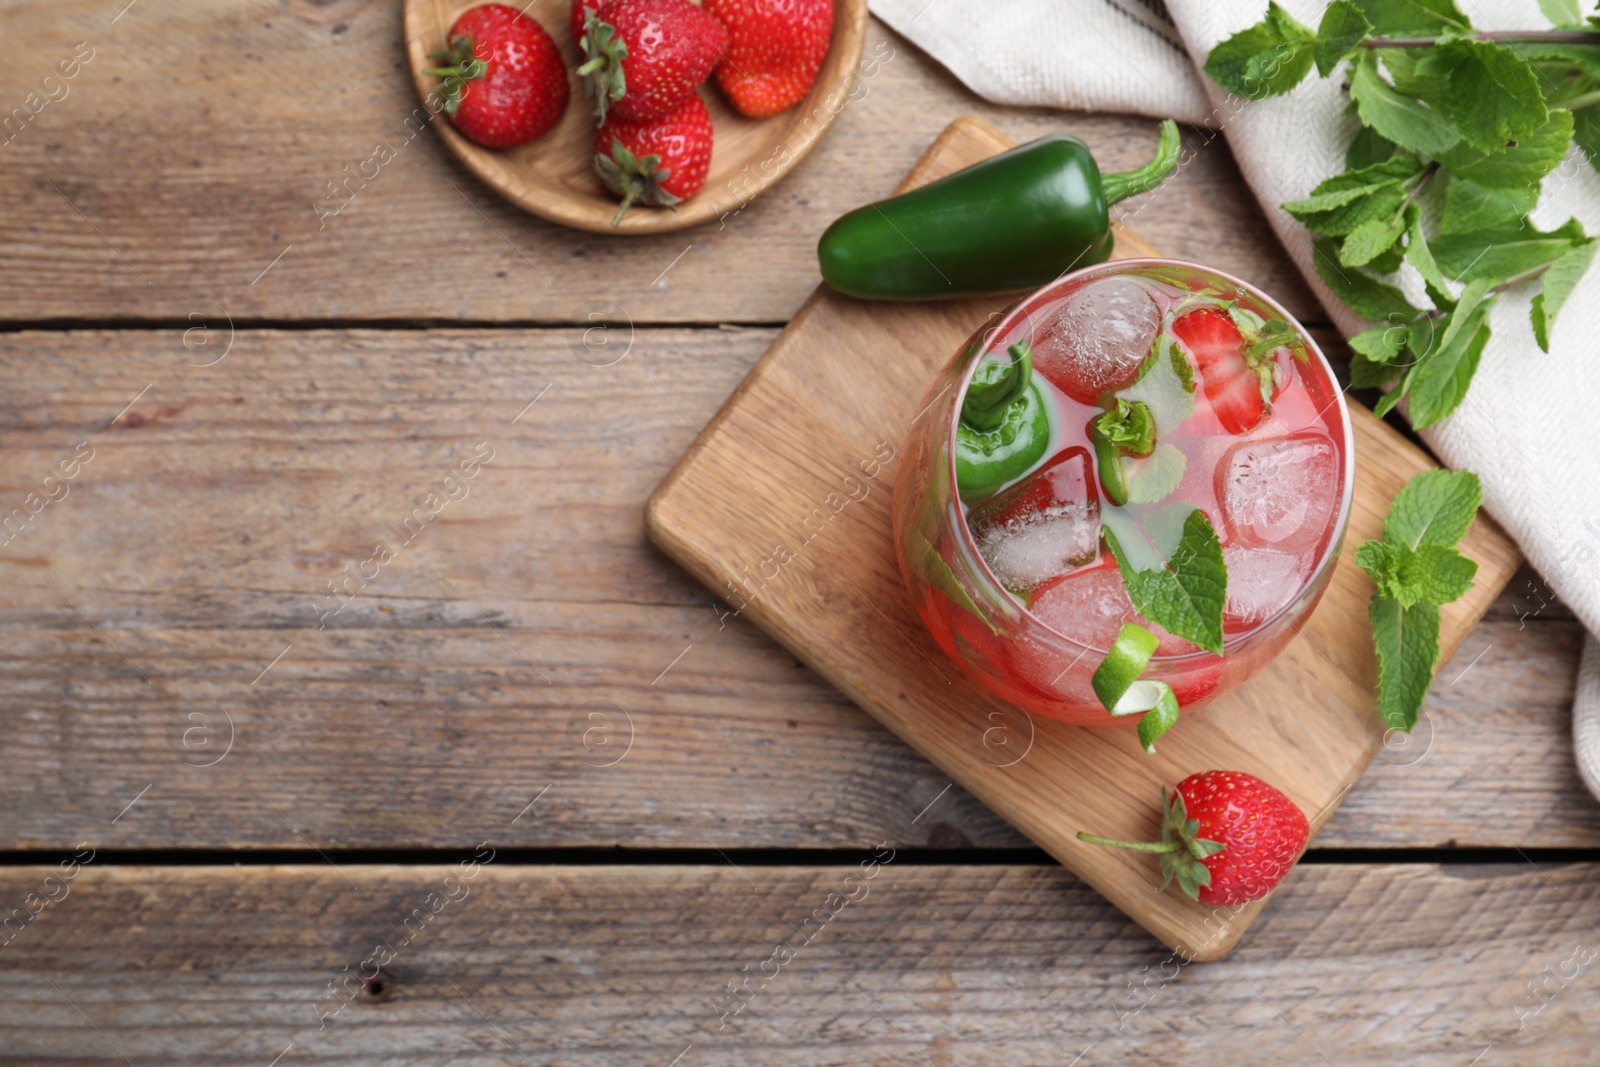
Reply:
x=1422 y=183
x=1493 y=36
x=1578 y=103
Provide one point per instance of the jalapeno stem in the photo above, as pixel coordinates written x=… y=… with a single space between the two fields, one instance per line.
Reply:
x=986 y=402
x=1128 y=183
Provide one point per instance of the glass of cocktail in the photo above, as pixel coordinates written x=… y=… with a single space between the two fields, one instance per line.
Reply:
x=1106 y=408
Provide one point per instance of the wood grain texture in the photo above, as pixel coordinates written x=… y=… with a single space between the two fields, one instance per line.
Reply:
x=193 y=171
x=554 y=177
x=781 y=445
x=1360 y=966
x=201 y=537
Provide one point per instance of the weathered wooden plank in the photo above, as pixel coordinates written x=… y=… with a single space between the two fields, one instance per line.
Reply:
x=168 y=178
x=201 y=536
x=595 y=967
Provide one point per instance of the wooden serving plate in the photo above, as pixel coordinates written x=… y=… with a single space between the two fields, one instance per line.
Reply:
x=778 y=475
x=553 y=177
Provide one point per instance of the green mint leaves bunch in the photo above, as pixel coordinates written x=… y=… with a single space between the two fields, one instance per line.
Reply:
x=1467 y=123
x=1417 y=567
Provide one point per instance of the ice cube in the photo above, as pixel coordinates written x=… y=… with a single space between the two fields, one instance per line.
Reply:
x=1279 y=493
x=1260 y=581
x=1097 y=339
x=1090 y=607
x=1026 y=554
x=1041 y=527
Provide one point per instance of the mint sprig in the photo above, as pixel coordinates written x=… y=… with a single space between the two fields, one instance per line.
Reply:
x=1416 y=568
x=1469 y=123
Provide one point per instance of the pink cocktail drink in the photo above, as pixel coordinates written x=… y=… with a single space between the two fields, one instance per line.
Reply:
x=1167 y=387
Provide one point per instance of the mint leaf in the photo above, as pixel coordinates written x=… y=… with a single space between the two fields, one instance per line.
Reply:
x=1562 y=13
x=1487 y=190
x=1461 y=315
x=1369 y=374
x=1379 y=202
x=1383 y=563
x=1364 y=204
x=1368 y=147
x=1524 y=163
x=1268 y=59
x=1420 y=256
x=1469 y=205
x=1416 y=567
x=1434 y=508
x=1494 y=93
x=1559 y=280
x=1381 y=344
x=1352 y=185
x=1438 y=574
x=1129 y=427
x=1407 y=642
x=1416 y=72
x=1585 y=57
x=1402 y=119
x=1154 y=479
x=1359 y=291
x=1187 y=593
x=1505 y=251
x=1164 y=389
x=1586 y=133
x=1402 y=18
x=1341 y=32
x=922 y=555
x=1371 y=240
x=1438 y=384
x=1147 y=536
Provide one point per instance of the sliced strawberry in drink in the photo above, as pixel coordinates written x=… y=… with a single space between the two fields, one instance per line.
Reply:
x=1239 y=382
x=1042 y=527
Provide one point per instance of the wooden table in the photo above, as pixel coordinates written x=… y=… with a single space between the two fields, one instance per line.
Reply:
x=514 y=789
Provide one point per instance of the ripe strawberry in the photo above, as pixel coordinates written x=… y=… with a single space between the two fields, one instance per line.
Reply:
x=507 y=84
x=647 y=56
x=1237 y=358
x=581 y=10
x=775 y=48
x=659 y=161
x=1227 y=837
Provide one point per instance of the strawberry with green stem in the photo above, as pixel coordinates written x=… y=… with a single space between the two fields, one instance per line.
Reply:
x=659 y=161
x=1227 y=837
x=506 y=84
x=645 y=57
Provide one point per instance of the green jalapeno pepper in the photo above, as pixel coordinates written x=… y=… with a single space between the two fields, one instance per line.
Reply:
x=1128 y=429
x=1004 y=427
x=1012 y=222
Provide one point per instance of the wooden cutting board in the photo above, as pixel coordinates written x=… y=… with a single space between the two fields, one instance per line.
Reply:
x=781 y=506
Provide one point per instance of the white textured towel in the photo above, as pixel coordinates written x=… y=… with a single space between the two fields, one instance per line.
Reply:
x=1530 y=426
